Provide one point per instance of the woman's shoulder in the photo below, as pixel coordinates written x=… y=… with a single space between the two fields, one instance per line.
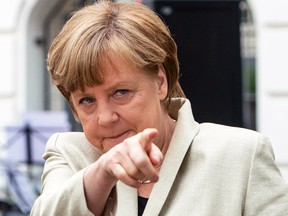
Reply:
x=228 y=133
x=62 y=139
x=71 y=146
x=223 y=139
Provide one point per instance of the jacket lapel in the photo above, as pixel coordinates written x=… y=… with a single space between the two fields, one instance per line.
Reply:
x=127 y=201
x=184 y=133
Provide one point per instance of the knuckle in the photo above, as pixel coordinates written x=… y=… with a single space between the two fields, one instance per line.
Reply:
x=121 y=176
x=141 y=161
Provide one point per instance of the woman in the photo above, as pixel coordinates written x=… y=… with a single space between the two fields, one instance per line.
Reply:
x=141 y=151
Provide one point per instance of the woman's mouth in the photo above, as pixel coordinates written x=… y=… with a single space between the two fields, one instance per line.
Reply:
x=116 y=139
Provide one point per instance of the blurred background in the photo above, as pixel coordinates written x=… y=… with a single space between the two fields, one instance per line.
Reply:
x=232 y=63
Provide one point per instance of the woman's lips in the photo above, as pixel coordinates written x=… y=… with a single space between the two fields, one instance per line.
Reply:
x=116 y=136
x=119 y=138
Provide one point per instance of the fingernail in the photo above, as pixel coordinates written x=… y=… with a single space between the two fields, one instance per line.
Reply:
x=158 y=160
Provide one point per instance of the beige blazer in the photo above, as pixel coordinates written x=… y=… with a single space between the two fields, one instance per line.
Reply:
x=209 y=170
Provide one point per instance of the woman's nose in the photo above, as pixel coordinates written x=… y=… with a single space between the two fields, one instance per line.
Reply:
x=106 y=116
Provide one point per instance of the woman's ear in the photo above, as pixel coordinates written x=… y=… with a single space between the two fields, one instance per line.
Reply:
x=162 y=82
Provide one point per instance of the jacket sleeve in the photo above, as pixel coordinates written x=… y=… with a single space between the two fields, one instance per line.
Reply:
x=267 y=192
x=62 y=189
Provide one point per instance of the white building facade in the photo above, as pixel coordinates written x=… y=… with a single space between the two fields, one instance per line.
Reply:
x=26 y=26
x=271 y=25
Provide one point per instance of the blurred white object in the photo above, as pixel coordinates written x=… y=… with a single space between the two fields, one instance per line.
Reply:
x=26 y=140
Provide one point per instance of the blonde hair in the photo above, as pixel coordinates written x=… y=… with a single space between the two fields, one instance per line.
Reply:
x=129 y=30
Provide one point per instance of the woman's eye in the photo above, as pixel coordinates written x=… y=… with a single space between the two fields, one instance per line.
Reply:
x=121 y=92
x=86 y=100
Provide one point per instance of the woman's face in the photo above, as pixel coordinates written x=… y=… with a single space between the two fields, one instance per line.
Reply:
x=126 y=103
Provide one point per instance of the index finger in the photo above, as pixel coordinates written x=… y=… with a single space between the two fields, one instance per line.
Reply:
x=147 y=137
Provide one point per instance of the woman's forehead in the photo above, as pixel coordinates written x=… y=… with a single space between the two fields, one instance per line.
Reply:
x=116 y=63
